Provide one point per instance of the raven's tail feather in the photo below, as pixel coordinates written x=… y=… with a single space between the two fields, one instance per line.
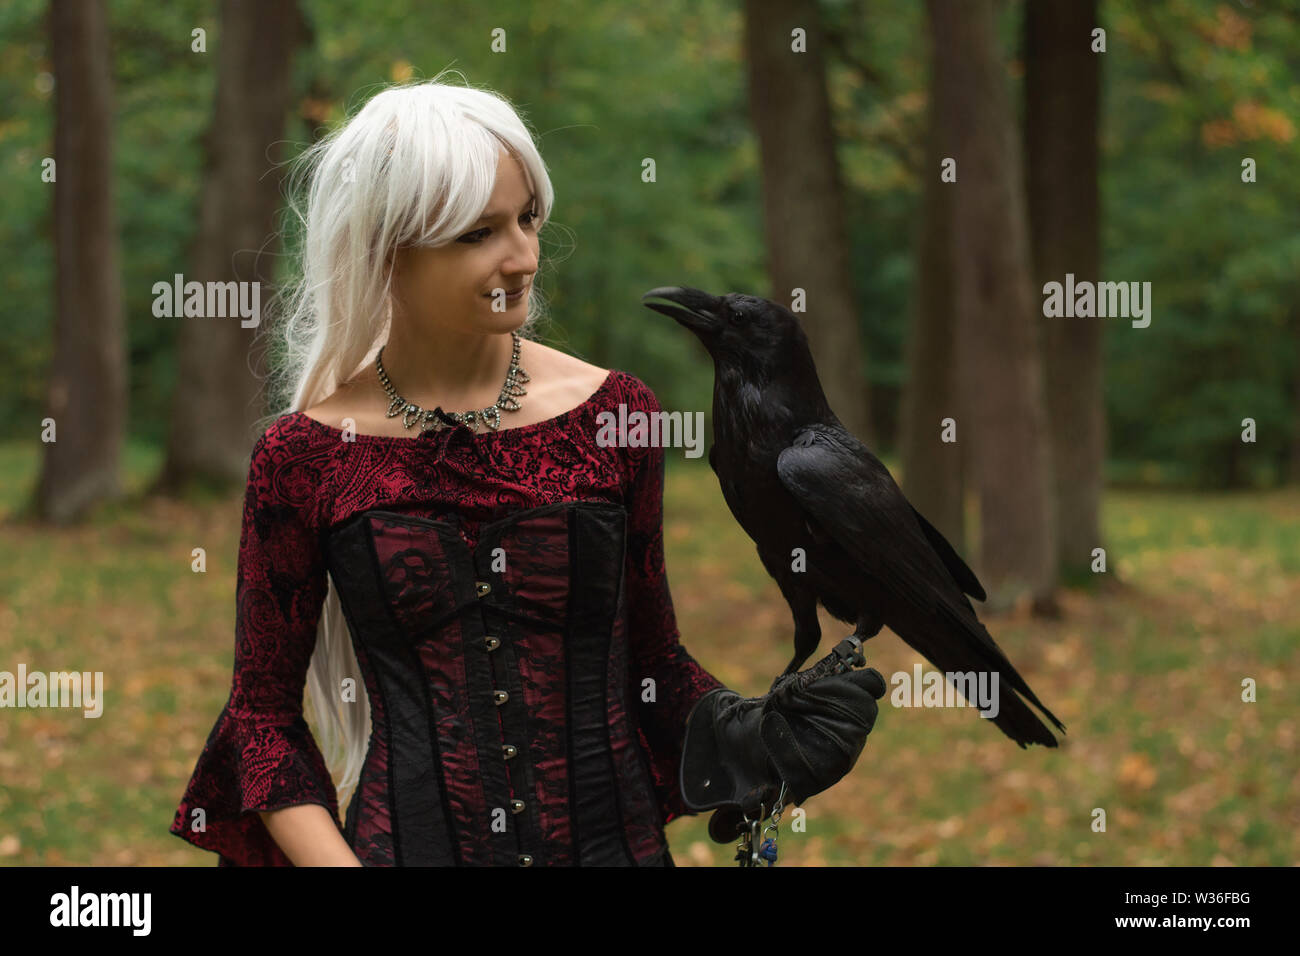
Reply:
x=1014 y=718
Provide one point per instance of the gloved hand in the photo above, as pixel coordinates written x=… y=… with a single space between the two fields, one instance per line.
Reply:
x=808 y=730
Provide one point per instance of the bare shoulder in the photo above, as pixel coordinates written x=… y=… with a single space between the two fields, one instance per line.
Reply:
x=354 y=401
x=561 y=380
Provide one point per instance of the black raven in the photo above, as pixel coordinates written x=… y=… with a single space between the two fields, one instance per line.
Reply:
x=794 y=477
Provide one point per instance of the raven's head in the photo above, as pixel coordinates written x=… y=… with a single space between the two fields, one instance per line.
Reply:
x=737 y=329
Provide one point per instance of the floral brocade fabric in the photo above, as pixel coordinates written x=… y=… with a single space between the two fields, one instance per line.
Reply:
x=507 y=602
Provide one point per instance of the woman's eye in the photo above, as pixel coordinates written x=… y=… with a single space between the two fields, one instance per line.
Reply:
x=478 y=235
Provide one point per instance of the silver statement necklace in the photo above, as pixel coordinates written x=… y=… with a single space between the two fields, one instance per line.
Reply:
x=490 y=416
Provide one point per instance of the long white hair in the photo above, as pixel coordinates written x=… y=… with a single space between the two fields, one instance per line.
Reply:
x=418 y=162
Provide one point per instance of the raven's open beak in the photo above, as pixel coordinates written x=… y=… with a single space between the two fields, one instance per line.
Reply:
x=696 y=310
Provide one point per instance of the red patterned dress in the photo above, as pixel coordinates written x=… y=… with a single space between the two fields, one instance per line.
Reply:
x=507 y=602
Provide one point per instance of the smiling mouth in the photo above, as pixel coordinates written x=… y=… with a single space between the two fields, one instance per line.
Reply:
x=509 y=293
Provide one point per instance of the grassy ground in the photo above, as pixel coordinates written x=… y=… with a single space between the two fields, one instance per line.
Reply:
x=1147 y=677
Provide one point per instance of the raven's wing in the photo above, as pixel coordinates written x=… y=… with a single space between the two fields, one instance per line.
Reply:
x=840 y=483
x=852 y=496
x=963 y=575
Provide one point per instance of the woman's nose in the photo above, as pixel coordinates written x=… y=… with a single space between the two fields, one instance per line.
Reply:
x=523 y=255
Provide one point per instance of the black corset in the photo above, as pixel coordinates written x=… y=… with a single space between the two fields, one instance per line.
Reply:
x=502 y=708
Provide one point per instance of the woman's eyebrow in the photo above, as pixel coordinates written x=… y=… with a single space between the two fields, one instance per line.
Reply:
x=488 y=217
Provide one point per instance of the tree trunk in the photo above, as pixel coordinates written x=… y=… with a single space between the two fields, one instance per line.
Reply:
x=219 y=392
x=1062 y=89
x=932 y=469
x=802 y=197
x=87 y=396
x=999 y=372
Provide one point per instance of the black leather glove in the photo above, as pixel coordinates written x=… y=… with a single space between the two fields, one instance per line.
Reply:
x=808 y=730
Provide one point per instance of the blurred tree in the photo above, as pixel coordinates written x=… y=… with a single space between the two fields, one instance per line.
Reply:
x=999 y=371
x=803 y=198
x=1062 y=88
x=218 y=390
x=933 y=469
x=87 y=396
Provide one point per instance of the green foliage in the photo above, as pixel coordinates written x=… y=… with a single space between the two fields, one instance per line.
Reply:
x=1190 y=91
x=1190 y=88
x=26 y=210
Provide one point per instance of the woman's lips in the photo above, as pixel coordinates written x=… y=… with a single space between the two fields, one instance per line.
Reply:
x=512 y=296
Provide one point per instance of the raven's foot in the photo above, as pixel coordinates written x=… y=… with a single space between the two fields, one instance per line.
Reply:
x=869 y=625
x=849 y=654
x=844 y=657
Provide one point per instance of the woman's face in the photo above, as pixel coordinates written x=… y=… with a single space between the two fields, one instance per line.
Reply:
x=461 y=286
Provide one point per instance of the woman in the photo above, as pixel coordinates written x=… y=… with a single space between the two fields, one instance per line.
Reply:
x=476 y=599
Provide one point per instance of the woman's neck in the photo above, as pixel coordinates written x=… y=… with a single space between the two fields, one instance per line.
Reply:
x=451 y=369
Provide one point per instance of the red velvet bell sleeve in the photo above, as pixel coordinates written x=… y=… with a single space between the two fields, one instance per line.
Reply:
x=656 y=649
x=260 y=754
